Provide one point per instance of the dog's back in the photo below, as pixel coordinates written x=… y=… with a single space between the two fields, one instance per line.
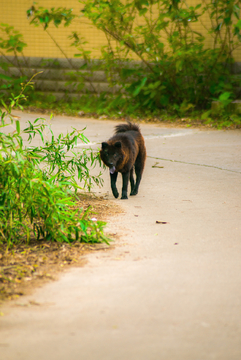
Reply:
x=121 y=128
x=133 y=144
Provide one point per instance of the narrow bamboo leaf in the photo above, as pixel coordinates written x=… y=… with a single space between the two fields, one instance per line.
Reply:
x=18 y=126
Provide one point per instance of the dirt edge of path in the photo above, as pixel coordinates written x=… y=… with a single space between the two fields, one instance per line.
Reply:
x=25 y=267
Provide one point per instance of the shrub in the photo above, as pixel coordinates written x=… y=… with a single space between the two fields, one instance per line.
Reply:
x=11 y=42
x=177 y=69
x=38 y=184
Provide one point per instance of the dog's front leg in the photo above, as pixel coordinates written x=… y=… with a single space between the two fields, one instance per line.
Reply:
x=125 y=178
x=113 y=178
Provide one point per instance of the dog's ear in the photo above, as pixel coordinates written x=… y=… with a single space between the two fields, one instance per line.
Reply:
x=104 y=145
x=118 y=144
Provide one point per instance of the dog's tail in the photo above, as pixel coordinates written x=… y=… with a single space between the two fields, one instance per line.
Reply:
x=126 y=127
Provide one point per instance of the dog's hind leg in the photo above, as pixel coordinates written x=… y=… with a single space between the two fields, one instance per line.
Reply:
x=139 y=167
x=132 y=181
x=138 y=180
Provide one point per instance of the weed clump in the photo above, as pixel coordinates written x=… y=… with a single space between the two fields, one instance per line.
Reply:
x=39 y=184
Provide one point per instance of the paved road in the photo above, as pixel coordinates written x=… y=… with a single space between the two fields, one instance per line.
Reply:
x=168 y=291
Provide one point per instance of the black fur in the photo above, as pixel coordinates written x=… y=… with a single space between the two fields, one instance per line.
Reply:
x=122 y=153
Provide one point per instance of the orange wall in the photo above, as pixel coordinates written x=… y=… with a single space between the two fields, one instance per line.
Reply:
x=13 y=12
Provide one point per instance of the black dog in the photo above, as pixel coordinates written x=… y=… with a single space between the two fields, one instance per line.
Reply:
x=121 y=153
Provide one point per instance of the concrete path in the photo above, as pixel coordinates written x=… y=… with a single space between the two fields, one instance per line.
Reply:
x=168 y=291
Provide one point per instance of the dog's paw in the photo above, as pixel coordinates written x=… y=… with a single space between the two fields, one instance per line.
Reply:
x=124 y=196
x=116 y=194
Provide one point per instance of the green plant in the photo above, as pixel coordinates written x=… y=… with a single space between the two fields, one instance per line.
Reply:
x=41 y=16
x=176 y=70
x=176 y=67
x=86 y=71
x=11 y=42
x=38 y=196
x=222 y=113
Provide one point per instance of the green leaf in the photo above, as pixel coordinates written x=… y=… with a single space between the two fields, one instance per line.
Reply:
x=164 y=100
x=140 y=86
x=205 y=115
x=179 y=65
x=5 y=77
x=18 y=126
x=224 y=96
x=238 y=25
x=127 y=72
x=218 y=28
x=57 y=22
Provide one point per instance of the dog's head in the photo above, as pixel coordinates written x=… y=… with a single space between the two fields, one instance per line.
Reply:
x=111 y=154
